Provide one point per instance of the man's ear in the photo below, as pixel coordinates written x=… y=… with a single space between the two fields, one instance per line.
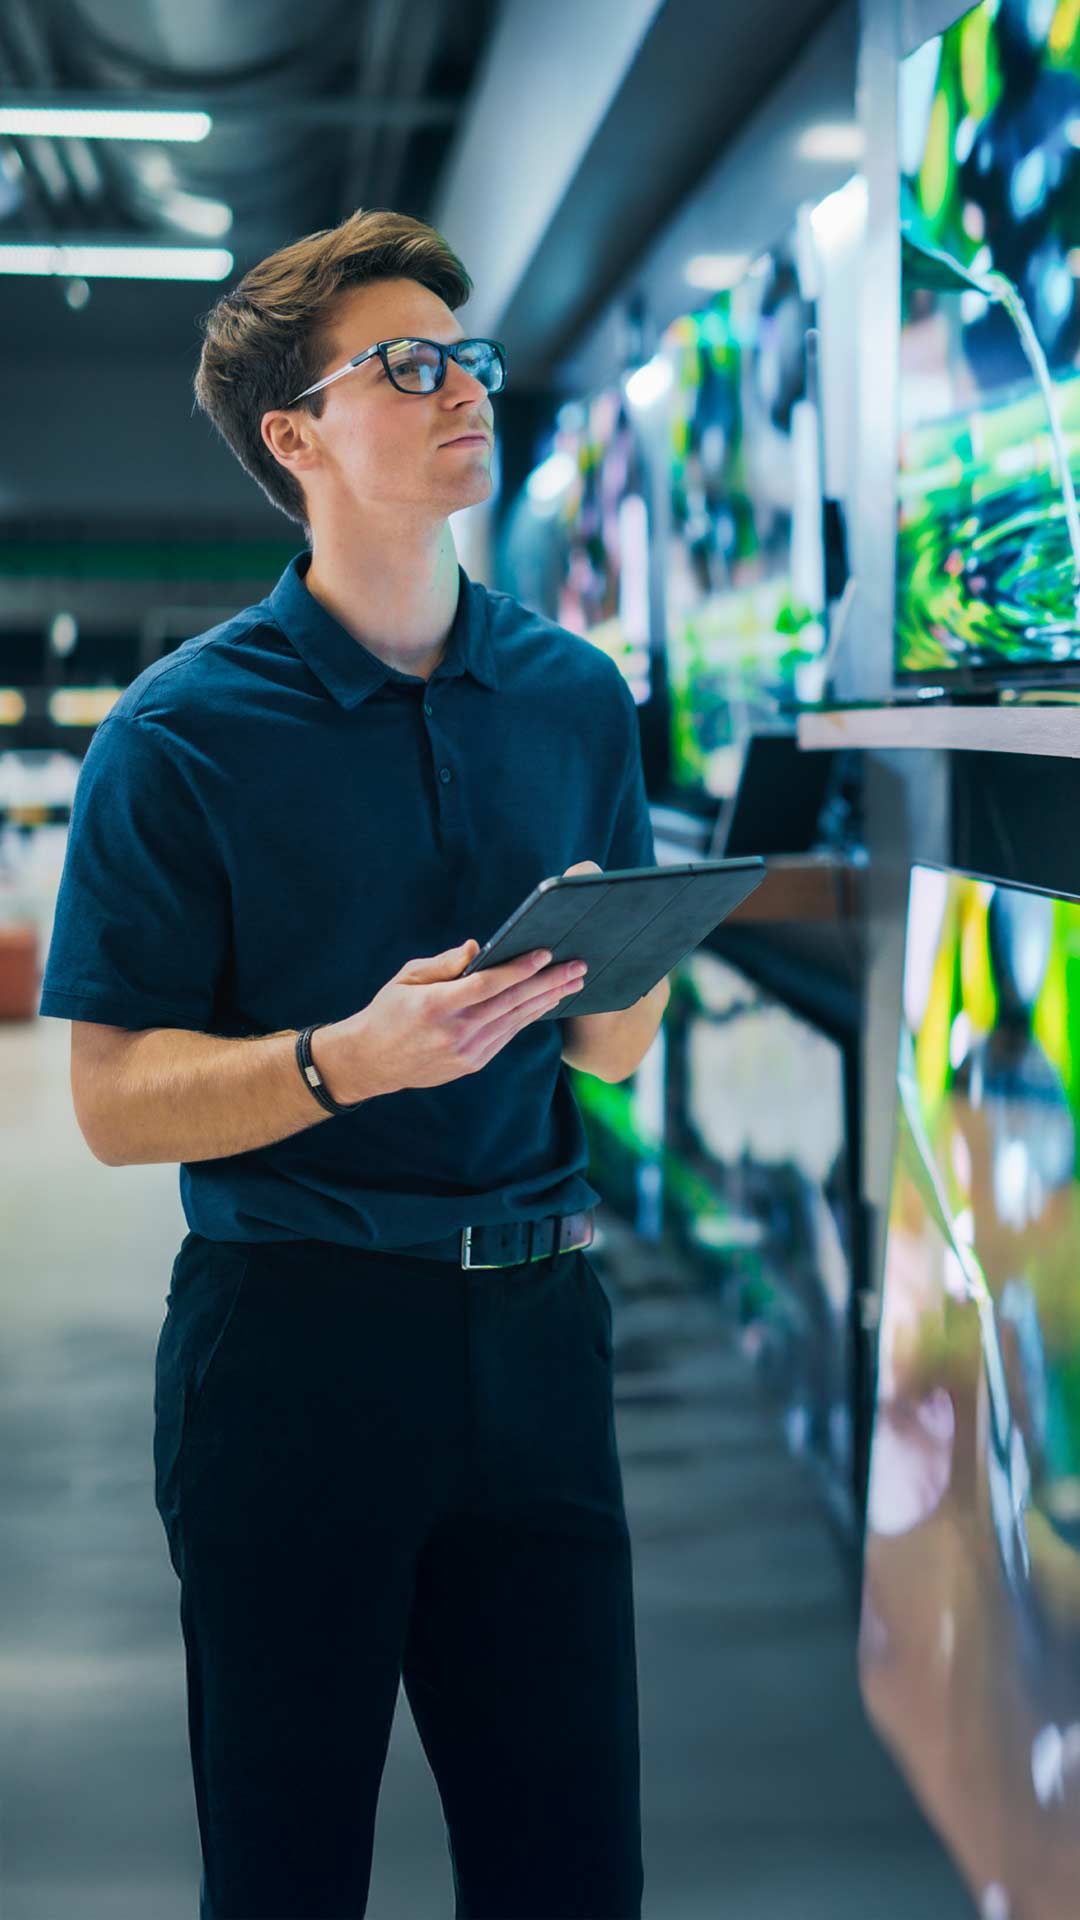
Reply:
x=289 y=438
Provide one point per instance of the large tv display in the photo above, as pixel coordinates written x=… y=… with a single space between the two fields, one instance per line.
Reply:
x=969 y=1645
x=604 y=593
x=576 y=545
x=744 y=585
x=988 y=535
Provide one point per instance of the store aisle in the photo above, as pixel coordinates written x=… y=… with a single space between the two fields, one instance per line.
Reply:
x=766 y=1797
x=765 y=1794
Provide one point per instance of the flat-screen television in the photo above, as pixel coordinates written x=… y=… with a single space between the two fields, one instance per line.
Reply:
x=743 y=574
x=988 y=535
x=577 y=543
x=969 y=1643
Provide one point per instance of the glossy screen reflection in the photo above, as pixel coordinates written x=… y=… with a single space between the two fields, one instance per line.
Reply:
x=969 y=1646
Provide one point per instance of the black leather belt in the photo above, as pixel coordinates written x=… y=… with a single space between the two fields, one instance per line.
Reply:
x=514 y=1241
x=510 y=1242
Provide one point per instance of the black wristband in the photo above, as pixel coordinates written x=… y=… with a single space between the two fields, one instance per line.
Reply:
x=311 y=1074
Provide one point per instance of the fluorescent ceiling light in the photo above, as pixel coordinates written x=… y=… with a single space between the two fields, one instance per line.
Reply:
x=831 y=140
x=119 y=263
x=716 y=271
x=106 y=123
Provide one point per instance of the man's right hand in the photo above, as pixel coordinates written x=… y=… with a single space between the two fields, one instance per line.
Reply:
x=427 y=1026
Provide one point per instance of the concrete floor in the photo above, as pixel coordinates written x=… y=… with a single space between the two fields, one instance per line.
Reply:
x=765 y=1794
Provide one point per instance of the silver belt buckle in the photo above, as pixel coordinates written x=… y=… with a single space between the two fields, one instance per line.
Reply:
x=466 y=1245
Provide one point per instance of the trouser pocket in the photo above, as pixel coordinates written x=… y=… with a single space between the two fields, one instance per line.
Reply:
x=602 y=1317
x=204 y=1291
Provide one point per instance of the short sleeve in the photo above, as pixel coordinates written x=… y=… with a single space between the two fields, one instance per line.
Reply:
x=631 y=843
x=142 y=928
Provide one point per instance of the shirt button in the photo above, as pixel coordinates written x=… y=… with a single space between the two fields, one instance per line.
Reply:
x=445 y=775
x=427 y=706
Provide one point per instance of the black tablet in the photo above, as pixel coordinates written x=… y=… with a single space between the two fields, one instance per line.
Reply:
x=631 y=926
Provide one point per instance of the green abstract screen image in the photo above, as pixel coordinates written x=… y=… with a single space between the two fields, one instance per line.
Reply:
x=744 y=566
x=988 y=536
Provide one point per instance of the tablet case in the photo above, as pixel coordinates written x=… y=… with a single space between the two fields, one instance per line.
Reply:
x=631 y=926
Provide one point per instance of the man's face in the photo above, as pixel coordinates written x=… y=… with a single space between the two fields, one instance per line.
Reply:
x=376 y=445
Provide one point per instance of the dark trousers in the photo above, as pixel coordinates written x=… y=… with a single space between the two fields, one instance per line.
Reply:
x=374 y=1468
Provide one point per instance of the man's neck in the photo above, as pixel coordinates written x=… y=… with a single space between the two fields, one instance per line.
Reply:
x=398 y=599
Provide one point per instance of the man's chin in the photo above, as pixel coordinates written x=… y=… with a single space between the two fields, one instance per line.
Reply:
x=473 y=487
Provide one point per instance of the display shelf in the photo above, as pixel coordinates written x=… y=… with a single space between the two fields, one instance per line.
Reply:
x=1014 y=728
x=801 y=888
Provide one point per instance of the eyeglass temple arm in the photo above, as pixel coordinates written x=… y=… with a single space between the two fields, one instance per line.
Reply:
x=340 y=373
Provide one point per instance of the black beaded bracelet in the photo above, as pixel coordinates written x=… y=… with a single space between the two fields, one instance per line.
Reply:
x=312 y=1076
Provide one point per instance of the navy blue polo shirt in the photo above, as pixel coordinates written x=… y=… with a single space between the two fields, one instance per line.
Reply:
x=271 y=820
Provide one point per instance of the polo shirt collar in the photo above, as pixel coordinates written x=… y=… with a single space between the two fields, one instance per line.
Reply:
x=350 y=671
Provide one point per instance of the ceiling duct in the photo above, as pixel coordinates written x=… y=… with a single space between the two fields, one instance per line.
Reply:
x=316 y=107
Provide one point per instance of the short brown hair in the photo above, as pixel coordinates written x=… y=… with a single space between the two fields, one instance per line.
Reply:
x=268 y=338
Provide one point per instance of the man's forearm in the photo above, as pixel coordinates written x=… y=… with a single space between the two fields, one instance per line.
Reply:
x=613 y=1045
x=181 y=1096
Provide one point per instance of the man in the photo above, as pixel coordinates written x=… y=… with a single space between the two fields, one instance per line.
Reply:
x=384 y=1438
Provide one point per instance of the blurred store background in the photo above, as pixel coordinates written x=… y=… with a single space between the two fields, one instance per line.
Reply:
x=790 y=302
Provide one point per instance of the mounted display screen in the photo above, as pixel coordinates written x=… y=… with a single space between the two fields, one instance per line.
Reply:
x=988 y=535
x=744 y=570
x=969 y=1649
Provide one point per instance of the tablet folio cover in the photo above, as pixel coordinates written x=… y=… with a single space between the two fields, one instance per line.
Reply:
x=631 y=931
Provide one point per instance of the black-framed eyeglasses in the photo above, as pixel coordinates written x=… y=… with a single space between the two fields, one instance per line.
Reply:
x=419 y=366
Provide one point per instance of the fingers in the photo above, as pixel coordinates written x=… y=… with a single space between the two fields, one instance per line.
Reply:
x=558 y=980
x=510 y=1020
x=492 y=980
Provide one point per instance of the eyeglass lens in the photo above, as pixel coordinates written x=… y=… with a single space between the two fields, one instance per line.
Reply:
x=414 y=364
